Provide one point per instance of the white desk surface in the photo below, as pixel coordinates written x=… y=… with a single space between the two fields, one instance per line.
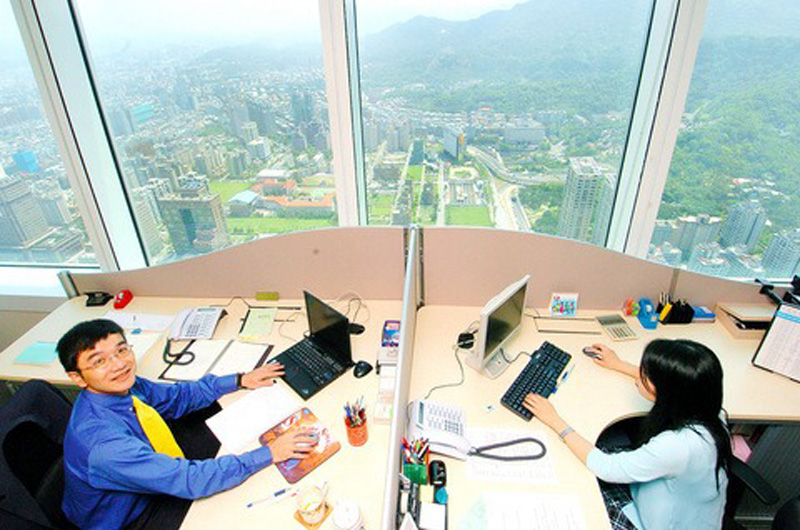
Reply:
x=591 y=398
x=355 y=474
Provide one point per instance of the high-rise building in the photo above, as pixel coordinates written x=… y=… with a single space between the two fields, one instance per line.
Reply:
x=605 y=205
x=147 y=220
x=586 y=197
x=744 y=225
x=25 y=160
x=706 y=259
x=302 y=107
x=21 y=218
x=693 y=231
x=195 y=221
x=454 y=143
x=51 y=200
x=249 y=131
x=782 y=257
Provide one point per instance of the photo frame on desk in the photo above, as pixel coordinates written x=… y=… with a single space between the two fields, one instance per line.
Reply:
x=779 y=350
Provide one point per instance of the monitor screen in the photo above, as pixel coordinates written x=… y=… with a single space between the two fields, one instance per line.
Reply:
x=500 y=318
x=329 y=327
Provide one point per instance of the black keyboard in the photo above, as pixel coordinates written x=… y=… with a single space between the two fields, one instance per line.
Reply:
x=539 y=377
x=319 y=367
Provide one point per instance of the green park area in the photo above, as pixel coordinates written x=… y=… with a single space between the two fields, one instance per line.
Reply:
x=468 y=216
x=228 y=188
x=274 y=225
x=380 y=208
x=415 y=173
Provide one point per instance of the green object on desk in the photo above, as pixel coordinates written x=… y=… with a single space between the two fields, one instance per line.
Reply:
x=38 y=353
x=416 y=473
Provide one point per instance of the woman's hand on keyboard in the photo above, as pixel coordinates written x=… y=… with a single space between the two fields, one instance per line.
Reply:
x=545 y=411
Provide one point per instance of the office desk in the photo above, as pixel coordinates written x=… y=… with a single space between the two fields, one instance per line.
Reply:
x=354 y=474
x=591 y=399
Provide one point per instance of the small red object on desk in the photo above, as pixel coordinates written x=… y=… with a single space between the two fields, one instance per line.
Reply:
x=122 y=299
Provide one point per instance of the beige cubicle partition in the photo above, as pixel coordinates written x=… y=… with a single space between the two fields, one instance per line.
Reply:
x=326 y=262
x=411 y=301
x=468 y=266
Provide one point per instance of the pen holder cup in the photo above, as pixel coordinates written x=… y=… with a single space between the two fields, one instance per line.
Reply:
x=356 y=434
x=416 y=473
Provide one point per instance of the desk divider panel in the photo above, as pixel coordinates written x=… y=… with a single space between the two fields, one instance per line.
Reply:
x=411 y=302
x=326 y=262
x=468 y=266
x=700 y=289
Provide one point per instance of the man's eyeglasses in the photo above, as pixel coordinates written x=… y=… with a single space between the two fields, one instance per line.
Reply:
x=103 y=362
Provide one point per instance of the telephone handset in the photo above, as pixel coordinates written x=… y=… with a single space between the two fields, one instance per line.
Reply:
x=195 y=323
x=442 y=425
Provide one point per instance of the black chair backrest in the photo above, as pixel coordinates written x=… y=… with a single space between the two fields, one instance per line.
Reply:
x=32 y=426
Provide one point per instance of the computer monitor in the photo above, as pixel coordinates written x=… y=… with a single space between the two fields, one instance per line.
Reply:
x=501 y=317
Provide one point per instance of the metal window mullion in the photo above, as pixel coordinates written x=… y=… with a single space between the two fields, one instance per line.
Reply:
x=87 y=145
x=659 y=36
x=346 y=162
x=679 y=66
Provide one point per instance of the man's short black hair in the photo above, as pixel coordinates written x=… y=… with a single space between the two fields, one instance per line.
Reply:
x=83 y=337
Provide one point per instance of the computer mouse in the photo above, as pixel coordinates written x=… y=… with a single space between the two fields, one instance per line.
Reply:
x=591 y=352
x=362 y=368
x=355 y=329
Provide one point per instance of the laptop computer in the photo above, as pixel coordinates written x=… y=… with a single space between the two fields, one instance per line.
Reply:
x=317 y=360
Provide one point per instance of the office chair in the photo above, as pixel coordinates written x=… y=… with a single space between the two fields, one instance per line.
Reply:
x=32 y=426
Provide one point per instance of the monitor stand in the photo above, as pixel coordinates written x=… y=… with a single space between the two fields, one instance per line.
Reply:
x=496 y=365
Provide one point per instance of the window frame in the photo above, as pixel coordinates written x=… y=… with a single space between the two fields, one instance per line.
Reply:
x=51 y=32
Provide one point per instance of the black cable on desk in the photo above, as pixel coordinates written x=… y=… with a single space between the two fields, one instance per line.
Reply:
x=481 y=452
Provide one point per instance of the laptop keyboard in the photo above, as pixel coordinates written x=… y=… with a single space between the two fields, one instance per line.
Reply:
x=318 y=367
x=539 y=377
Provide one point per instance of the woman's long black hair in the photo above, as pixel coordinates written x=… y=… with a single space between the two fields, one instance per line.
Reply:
x=687 y=377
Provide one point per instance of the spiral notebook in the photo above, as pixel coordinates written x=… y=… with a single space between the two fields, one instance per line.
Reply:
x=295 y=469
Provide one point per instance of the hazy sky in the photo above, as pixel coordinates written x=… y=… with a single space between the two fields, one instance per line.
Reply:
x=278 y=23
x=113 y=25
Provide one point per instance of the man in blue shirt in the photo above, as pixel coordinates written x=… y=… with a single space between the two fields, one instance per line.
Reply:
x=113 y=476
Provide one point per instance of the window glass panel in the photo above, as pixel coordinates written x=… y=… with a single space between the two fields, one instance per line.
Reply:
x=498 y=113
x=730 y=202
x=39 y=220
x=218 y=116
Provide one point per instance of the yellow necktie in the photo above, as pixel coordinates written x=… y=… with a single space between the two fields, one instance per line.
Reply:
x=156 y=429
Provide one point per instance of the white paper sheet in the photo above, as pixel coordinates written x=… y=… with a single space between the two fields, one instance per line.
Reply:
x=537 y=472
x=514 y=510
x=141 y=342
x=239 y=357
x=143 y=321
x=241 y=423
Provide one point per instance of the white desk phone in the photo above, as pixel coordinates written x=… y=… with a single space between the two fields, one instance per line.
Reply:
x=195 y=323
x=442 y=425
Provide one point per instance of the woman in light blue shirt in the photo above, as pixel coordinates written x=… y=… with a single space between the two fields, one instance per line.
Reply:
x=678 y=471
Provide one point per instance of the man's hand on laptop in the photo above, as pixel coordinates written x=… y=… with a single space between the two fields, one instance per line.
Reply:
x=292 y=445
x=263 y=376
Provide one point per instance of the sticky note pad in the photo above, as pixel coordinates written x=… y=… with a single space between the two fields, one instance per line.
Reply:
x=268 y=295
x=38 y=353
x=432 y=516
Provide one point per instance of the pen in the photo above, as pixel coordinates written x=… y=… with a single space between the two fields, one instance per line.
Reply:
x=274 y=497
x=563 y=378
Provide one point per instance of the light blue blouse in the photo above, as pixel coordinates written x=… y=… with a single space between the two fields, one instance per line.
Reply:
x=672 y=478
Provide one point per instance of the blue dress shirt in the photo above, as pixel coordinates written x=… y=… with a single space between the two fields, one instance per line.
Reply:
x=110 y=468
x=673 y=480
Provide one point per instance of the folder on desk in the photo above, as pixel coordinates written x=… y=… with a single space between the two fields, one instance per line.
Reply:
x=38 y=353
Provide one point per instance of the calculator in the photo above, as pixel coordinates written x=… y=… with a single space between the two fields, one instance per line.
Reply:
x=616 y=327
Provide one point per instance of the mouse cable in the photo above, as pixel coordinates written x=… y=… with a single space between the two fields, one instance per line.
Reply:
x=482 y=452
x=512 y=361
x=456 y=348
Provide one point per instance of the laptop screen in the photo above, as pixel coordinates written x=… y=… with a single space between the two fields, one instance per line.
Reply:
x=328 y=328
